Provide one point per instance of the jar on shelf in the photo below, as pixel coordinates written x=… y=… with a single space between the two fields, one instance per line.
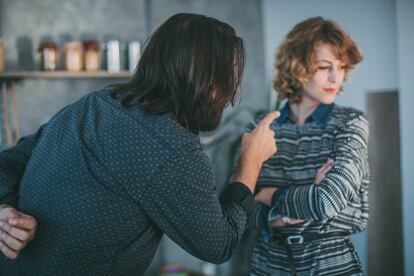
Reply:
x=134 y=53
x=92 y=55
x=113 y=63
x=49 y=56
x=74 y=56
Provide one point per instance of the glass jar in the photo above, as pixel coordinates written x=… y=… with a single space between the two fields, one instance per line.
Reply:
x=112 y=56
x=73 y=56
x=134 y=53
x=49 y=56
x=92 y=55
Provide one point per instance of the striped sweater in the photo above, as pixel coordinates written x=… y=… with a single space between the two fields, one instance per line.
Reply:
x=339 y=204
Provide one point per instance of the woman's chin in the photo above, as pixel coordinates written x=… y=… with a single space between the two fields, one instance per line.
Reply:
x=329 y=100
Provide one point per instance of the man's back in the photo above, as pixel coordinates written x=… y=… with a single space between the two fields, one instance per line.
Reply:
x=84 y=183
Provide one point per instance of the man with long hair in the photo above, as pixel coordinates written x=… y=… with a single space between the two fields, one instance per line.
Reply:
x=107 y=176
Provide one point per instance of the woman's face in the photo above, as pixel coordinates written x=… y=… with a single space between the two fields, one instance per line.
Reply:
x=328 y=78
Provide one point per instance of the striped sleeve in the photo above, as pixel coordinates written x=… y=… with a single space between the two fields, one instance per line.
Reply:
x=341 y=185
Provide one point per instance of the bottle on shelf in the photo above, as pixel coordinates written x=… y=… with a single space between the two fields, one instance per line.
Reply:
x=74 y=56
x=49 y=56
x=92 y=55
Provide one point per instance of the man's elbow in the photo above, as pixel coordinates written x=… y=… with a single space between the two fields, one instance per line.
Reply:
x=218 y=254
x=219 y=258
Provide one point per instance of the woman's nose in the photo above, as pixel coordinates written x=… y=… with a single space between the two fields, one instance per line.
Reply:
x=333 y=75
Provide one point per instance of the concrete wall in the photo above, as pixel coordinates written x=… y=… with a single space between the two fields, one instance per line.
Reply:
x=24 y=23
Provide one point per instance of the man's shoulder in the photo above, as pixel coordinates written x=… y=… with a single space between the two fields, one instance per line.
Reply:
x=168 y=132
x=161 y=129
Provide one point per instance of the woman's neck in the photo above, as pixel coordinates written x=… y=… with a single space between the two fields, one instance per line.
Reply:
x=302 y=110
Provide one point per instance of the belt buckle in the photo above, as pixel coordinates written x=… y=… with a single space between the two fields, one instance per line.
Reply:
x=295 y=239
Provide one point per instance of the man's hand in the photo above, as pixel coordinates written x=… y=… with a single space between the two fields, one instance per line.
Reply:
x=260 y=144
x=257 y=147
x=16 y=230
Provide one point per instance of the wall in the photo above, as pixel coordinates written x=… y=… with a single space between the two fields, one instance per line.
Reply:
x=60 y=21
x=371 y=23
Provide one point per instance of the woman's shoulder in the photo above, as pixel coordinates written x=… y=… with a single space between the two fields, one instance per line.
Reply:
x=350 y=121
x=343 y=115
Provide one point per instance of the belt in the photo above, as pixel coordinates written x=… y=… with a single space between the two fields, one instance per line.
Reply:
x=288 y=240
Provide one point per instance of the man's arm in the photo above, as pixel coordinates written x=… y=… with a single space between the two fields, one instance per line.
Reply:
x=182 y=199
x=13 y=162
x=16 y=228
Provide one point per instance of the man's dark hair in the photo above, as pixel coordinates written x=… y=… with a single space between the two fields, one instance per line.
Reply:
x=192 y=67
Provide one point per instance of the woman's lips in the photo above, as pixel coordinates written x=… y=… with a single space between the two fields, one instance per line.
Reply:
x=330 y=90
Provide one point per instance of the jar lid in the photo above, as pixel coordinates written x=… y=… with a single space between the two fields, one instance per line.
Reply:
x=91 y=45
x=48 y=45
x=76 y=45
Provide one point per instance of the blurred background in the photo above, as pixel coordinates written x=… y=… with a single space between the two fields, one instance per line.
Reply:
x=35 y=87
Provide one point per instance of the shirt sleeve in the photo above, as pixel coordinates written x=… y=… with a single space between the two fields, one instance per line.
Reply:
x=13 y=162
x=182 y=200
x=341 y=184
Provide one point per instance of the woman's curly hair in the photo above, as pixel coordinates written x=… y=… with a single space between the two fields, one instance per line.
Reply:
x=295 y=58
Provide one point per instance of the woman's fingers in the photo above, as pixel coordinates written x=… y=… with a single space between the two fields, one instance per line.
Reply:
x=265 y=195
x=323 y=171
x=279 y=222
x=276 y=223
x=295 y=221
x=325 y=167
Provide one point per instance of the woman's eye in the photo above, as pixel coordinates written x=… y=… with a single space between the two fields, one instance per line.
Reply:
x=323 y=67
x=343 y=67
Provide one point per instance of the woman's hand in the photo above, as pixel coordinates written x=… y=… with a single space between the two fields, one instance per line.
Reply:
x=16 y=230
x=265 y=196
x=323 y=171
x=285 y=221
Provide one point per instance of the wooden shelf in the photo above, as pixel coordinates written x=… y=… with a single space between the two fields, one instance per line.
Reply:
x=62 y=75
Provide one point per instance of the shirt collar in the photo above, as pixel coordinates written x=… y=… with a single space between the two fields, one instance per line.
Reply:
x=321 y=114
x=284 y=114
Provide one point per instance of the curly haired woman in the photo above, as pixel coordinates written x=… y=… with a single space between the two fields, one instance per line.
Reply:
x=314 y=190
